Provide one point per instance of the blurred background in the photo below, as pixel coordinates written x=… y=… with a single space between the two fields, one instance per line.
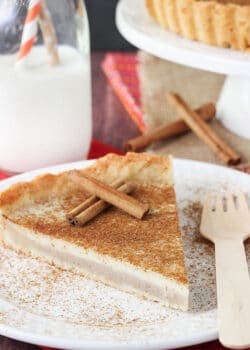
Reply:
x=101 y=13
x=104 y=34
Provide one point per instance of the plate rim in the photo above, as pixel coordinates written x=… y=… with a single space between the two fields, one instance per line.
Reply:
x=61 y=343
x=185 y=51
x=57 y=342
x=77 y=165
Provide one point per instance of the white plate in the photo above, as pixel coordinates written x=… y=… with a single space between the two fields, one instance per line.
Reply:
x=42 y=305
x=140 y=29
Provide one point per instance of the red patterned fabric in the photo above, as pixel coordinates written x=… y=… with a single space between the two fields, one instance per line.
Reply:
x=121 y=71
x=3 y=176
x=98 y=149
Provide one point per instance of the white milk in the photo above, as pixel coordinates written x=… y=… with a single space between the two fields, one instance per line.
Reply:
x=45 y=112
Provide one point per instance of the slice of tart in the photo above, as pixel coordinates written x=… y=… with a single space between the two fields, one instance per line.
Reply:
x=224 y=23
x=144 y=257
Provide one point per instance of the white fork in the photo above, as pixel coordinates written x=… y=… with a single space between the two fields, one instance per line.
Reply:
x=228 y=225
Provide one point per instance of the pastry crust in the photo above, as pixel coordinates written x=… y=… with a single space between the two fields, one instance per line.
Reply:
x=224 y=23
x=35 y=212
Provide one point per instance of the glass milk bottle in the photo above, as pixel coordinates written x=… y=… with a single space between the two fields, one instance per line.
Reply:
x=45 y=88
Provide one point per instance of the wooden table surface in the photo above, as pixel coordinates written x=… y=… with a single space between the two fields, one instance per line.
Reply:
x=111 y=125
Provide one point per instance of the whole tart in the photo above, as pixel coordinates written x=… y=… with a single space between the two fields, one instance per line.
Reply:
x=224 y=23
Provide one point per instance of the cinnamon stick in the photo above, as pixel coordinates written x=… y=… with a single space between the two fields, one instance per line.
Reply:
x=99 y=206
x=203 y=131
x=88 y=202
x=112 y=196
x=80 y=8
x=245 y=167
x=165 y=131
x=49 y=34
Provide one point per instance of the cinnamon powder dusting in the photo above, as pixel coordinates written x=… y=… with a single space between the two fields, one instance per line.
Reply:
x=153 y=243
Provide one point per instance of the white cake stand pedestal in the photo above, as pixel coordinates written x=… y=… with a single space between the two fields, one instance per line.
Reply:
x=233 y=107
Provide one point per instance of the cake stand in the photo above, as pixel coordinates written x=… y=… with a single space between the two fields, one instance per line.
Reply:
x=233 y=107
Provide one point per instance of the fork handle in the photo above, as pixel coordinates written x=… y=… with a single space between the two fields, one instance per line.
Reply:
x=233 y=293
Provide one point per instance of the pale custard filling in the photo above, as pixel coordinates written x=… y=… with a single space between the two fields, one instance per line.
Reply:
x=90 y=263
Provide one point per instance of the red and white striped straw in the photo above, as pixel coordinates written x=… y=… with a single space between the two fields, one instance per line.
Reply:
x=29 y=30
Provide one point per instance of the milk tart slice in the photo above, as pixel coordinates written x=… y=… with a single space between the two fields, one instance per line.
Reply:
x=144 y=257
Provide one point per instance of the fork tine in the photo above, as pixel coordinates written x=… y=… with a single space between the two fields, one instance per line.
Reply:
x=230 y=201
x=242 y=202
x=208 y=204
x=219 y=203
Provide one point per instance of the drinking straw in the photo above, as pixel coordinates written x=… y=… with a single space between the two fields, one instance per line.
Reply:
x=38 y=12
x=49 y=34
x=29 y=30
